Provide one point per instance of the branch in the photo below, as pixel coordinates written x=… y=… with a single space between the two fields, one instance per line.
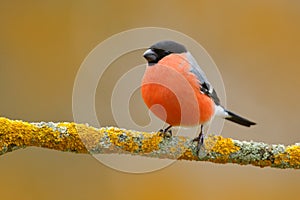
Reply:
x=80 y=138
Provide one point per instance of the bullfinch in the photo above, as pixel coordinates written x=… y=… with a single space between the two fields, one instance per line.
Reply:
x=177 y=91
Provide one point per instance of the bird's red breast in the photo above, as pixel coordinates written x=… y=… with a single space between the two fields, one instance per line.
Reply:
x=173 y=94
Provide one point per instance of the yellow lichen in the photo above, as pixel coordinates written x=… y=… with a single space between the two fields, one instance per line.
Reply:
x=188 y=155
x=291 y=156
x=86 y=135
x=293 y=152
x=262 y=163
x=281 y=158
x=16 y=133
x=130 y=141
x=224 y=146
x=123 y=139
x=19 y=133
x=151 y=142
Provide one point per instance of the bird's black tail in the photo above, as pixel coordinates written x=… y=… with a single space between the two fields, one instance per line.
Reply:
x=238 y=119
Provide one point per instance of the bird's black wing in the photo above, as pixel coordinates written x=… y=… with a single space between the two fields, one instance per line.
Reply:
x=206 y=87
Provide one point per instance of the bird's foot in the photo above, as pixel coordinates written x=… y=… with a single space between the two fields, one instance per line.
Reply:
x=166 y=133
x=200 y=145
x=200 y=140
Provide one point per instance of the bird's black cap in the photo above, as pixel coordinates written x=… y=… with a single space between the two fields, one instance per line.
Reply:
x=169 y=46
x=161 y=49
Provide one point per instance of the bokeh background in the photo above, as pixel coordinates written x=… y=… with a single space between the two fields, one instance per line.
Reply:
x=255 y=45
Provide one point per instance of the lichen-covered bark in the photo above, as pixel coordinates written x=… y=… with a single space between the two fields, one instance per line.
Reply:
x=80 y=138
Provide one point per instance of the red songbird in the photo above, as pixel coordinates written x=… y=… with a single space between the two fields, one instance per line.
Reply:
x=176 y=90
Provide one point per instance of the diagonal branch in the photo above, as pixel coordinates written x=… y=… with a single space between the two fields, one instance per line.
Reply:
x=80 y=138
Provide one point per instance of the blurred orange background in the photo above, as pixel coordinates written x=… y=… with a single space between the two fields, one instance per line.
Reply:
x=255 y=45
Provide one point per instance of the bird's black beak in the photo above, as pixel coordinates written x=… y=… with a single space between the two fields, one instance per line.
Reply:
x=150 y=56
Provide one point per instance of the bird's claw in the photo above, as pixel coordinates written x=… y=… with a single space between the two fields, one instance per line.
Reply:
x=165 y=133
